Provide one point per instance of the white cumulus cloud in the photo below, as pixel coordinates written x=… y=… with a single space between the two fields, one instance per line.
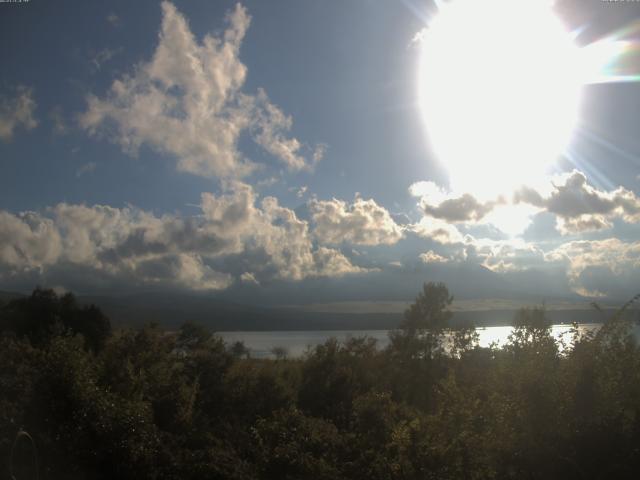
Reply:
x=187 y=102
x=235 y=236
x=600 y=267
x=432 y=257
x=363 y=222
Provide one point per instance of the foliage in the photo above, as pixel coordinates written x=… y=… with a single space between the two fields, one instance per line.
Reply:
x=147 y=403
x=44 y=314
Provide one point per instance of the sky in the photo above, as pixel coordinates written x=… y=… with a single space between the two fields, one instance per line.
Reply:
x=283 y=152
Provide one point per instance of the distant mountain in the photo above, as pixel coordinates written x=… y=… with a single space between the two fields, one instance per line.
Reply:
x=171 y=310
x=465 y=280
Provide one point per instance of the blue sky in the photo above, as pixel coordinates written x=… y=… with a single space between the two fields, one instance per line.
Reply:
x=256 y=149
x=318 y=63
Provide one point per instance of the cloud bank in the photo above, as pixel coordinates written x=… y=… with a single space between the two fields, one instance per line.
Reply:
x=235 y=237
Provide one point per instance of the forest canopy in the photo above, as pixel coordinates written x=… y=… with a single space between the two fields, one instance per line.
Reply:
x=126 y=403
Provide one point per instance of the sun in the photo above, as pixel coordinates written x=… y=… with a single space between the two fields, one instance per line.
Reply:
x=499 y=91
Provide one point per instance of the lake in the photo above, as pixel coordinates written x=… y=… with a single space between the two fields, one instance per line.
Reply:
x=296 y=342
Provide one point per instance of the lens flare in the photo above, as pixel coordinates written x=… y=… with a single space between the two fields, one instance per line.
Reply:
x=613 y=59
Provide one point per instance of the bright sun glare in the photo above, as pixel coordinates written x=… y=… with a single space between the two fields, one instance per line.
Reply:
x=500 y=89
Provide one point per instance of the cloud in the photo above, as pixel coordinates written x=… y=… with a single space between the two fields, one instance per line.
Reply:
x=114 y=20
x=600 y=267
x=461 y=209
x=17 y=112
x=301 y=191
x=269 y=125
x=333 y=263
x=437 y=230
x=57 y=118
x=432 y=257
x=186 y=101
x=497 y=254
x=364 y=222
x=506 y=255
x=577 y=206
x=580 y=207
x=248 y=277
x=86 y=168
x=184 y=270
x=593 y=267
x=582 y=224
x=28 y=241
x=428 y=189
x=437 y=203
x=232 y=237
x=102 y=57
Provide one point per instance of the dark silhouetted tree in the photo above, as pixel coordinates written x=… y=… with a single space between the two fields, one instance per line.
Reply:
x=239 y=350
x=421 y=331
x=44 y=314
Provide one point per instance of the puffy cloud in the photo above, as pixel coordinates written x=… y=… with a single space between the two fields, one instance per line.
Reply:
x=437 y=203
x=580 y=207
x=233 y=237
x=498 y=255
x=28 y=241
x=506 y=255
x=364 y=222
x=592 y=267
x=432 y=257
x=577 y=206
x=582 y=224
x=17 y=112
x=436 y=230
x=461 y=209
x=600 y=267
x=182 y=269
x=186 y=101
x=269 y=125
x=332 y=263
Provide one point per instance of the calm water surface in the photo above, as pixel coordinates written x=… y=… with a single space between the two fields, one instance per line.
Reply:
x=295 y=343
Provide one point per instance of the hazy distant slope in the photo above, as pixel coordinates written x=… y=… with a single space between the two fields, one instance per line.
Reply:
x=171 y=310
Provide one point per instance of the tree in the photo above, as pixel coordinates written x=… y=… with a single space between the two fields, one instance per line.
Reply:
x=421 y=331
x=532 y=331
x=193 y=336
x=430 y=310
x=43 y=315
x=280 y=353
x=239 y=349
